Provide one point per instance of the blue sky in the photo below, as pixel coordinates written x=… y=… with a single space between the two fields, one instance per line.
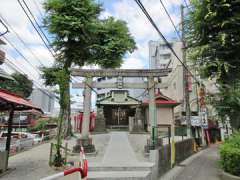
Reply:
x=126 y=10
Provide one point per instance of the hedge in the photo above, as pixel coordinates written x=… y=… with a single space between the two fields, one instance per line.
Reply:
x=230 y=155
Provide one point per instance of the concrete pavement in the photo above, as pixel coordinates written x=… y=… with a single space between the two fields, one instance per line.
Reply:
x=119 y=150
x=201 y=166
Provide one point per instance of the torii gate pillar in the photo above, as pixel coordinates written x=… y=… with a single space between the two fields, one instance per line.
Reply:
x=152 y=111
x=85 y=140
x=86 y=108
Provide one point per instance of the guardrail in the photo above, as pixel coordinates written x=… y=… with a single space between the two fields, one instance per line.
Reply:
x=82 y=169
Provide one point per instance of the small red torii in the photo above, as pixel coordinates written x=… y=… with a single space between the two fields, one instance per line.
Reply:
x=78 y=120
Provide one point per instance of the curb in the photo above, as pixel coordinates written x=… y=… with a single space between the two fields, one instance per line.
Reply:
x=174 y=172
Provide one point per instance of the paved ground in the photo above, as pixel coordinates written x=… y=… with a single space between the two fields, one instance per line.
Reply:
x=30 y=165
x=119 y=150
x=33 y=164
x=204 y=166
x=138 y=141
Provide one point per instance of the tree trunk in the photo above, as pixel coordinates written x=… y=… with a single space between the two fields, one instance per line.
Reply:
x=68 y=129
x=58 y=158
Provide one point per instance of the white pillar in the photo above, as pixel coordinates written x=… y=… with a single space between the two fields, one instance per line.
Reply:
x=152 y=109
x=86 y=107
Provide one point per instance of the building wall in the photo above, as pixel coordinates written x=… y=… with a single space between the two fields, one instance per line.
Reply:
x=44 y=100
x=175 y=89
x=164 y=116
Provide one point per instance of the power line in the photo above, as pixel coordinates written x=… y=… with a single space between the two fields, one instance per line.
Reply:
x=36 y=29
x=6 y=31
x=39 y=27
x=38 y=8
x=163 y=37
x=18 y=36
x=14 y=47
x=166 y=11
x=17 y=69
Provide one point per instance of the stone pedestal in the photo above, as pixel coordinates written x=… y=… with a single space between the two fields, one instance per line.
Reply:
x=136 y=122
x=100 y=122
x=87 y=145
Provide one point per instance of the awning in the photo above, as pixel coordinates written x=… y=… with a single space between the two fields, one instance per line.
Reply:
x=7 y=98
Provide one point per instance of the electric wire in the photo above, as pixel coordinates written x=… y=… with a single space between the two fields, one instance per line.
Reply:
x=36 y=29
x=38 y=8
x=39 y=27
x=17 y=69
x=6 y=31
x=171 y=20
x=22 y=41
x=14 y=47
x=163 y=37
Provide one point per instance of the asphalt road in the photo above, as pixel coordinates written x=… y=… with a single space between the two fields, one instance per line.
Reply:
x=205 y=167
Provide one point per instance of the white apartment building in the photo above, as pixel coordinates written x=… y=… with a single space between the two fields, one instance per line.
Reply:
x=160 y=57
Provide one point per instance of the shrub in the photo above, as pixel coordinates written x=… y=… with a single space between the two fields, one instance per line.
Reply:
x=230 y=155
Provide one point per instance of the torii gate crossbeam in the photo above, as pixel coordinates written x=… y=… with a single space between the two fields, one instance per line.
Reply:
x=150 y=74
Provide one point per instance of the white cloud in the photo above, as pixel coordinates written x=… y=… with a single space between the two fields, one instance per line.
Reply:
x=132 y=63
x=17 y=21
x=140 y=27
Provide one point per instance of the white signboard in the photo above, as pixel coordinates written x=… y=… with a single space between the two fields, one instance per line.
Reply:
x=198 y=121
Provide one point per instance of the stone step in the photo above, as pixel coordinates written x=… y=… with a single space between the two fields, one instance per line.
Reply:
x=119 y=175
x=141 y=166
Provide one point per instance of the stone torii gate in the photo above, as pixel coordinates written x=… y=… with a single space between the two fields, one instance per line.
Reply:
x=89 y=74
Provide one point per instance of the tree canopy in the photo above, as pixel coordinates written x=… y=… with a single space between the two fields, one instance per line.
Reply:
x=21 y=86
x=213 y=42
x=82 y=38
x=213 y=38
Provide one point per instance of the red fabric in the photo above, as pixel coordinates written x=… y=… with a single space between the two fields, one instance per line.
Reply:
x=13 y=98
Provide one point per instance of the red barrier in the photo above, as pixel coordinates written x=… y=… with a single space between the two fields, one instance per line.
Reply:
x=82 y=169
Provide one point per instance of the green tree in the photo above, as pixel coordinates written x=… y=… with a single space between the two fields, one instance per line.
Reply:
x=82 y=38
x=21 y=86
x=227 y=104
x=213 y=41
x=213 y=38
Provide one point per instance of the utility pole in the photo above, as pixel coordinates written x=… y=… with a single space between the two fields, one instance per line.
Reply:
x=185 y=77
